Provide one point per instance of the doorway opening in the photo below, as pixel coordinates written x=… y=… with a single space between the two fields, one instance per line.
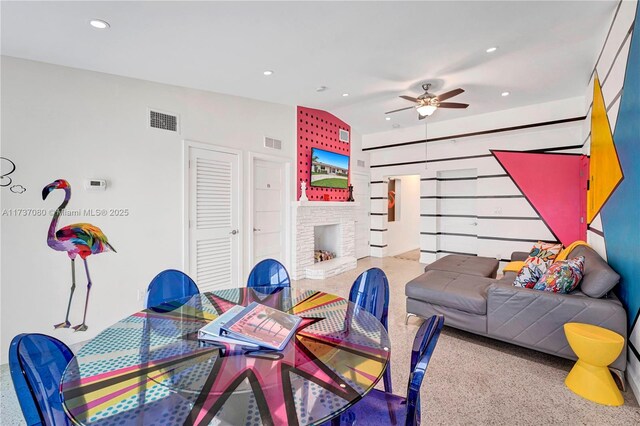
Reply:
x=403 y=226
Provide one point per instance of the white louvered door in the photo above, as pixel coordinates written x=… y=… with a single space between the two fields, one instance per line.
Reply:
x=214 y=218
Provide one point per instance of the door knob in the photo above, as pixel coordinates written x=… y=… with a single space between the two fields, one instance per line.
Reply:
x=234 y=232
x=257 y=229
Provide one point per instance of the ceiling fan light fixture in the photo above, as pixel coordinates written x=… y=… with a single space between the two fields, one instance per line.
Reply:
x=426 y=110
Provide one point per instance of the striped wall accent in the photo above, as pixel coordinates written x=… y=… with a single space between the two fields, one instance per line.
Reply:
x=495 y=217
x=617 y=67
x=611 y=67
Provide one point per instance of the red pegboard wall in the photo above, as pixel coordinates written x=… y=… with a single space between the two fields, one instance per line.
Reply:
x=319 y=129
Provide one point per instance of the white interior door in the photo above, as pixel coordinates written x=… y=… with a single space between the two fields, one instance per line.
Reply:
x=215 y=245
x=456 y=205
x=361 y=193
x=269 y=214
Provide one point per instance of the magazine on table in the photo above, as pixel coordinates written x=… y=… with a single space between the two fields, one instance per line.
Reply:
x=212 y=332
x=262 y=325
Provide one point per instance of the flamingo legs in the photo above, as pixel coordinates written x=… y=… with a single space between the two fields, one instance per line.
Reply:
x=66 y=323
x=83 y=326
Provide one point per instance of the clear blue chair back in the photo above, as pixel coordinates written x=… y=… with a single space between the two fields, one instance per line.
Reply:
x=370 y=292
x=269 y=273
x=37 y=363
x=170 y=285
x=423 y=346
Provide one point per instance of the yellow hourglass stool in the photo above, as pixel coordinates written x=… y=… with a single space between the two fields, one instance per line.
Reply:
x=596 y=348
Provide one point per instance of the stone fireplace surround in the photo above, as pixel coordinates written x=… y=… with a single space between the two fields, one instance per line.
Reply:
x=308 y=214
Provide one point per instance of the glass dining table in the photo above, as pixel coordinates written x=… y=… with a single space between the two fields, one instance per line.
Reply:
x=151 y=369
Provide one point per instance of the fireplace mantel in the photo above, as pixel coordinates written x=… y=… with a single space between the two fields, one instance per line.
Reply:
x=325 y=204
x=306 y=215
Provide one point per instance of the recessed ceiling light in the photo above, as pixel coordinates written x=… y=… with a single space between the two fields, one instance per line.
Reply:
x=505 y=93
x=267 y=72
x=99 y=24
x=387 y=118
x=491 y=49
x=345 y=95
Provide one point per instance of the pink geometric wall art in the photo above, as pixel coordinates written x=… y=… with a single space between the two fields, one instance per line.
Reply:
x=556 y=187
x=319 y=129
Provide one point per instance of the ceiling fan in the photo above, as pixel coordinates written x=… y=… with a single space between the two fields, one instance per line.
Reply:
x=427 y=103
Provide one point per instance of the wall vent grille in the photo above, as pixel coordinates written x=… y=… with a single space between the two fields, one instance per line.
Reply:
x=272 y=143
x=360 y=163
x=344 y=135
x=161 y=120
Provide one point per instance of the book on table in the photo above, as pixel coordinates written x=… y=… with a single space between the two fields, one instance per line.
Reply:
x=262 y=325
x=212 y=333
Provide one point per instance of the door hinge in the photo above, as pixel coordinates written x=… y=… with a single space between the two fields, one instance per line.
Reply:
x=588 y=184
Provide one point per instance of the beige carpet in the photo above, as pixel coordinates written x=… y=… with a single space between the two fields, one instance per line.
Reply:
x=410 y=255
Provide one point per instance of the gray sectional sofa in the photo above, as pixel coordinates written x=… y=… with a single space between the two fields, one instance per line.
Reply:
x=465 y=290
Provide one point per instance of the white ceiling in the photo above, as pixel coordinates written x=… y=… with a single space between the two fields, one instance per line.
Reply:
x=375 y=51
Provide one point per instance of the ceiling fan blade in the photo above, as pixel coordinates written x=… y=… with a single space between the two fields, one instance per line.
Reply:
x=449 y=94
x=452 y=105
x=401 y=109
x=409 y=98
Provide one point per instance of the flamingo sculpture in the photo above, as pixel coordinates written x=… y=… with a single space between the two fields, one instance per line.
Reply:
x=81 y=239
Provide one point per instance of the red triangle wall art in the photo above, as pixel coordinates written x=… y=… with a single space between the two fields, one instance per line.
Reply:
x=556 y=187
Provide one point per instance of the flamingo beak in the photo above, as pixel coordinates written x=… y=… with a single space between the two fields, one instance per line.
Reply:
x=47 y=190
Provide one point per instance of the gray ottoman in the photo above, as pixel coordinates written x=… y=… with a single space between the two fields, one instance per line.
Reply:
x=468 y=265
x=461 y=298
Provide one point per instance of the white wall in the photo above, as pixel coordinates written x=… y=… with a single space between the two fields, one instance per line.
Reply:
x=60 y=122
x=404 y=232
x=503 y=231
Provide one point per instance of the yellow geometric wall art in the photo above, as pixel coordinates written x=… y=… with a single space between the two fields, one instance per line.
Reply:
x=604 y=168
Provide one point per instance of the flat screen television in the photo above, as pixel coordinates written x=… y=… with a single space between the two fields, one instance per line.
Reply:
x=329 y=169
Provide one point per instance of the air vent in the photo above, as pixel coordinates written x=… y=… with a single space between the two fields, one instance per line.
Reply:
x=161 y=120
x=360 y=163
x=344 y=135
x=272 y=143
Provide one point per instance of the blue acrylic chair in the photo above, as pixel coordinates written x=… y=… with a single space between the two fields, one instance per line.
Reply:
x=170 y=285
x=370 y=292
x=37 y=362
x=269 y=273
x=382 y=408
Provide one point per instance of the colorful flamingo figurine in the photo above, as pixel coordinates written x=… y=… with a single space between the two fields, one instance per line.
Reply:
x=81 y=239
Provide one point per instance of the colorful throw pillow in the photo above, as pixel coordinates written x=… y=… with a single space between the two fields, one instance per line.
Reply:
x=543 y=254
x=563 y=276
x=528 y=276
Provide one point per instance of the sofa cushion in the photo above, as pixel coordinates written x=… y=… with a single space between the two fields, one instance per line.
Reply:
x=458 y=291
x=563 y=276
x=598 y=278
x=528 y=276
x=470 y=265
x=542 y=254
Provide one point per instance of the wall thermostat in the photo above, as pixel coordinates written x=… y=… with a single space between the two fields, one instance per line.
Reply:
x=95 y=184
